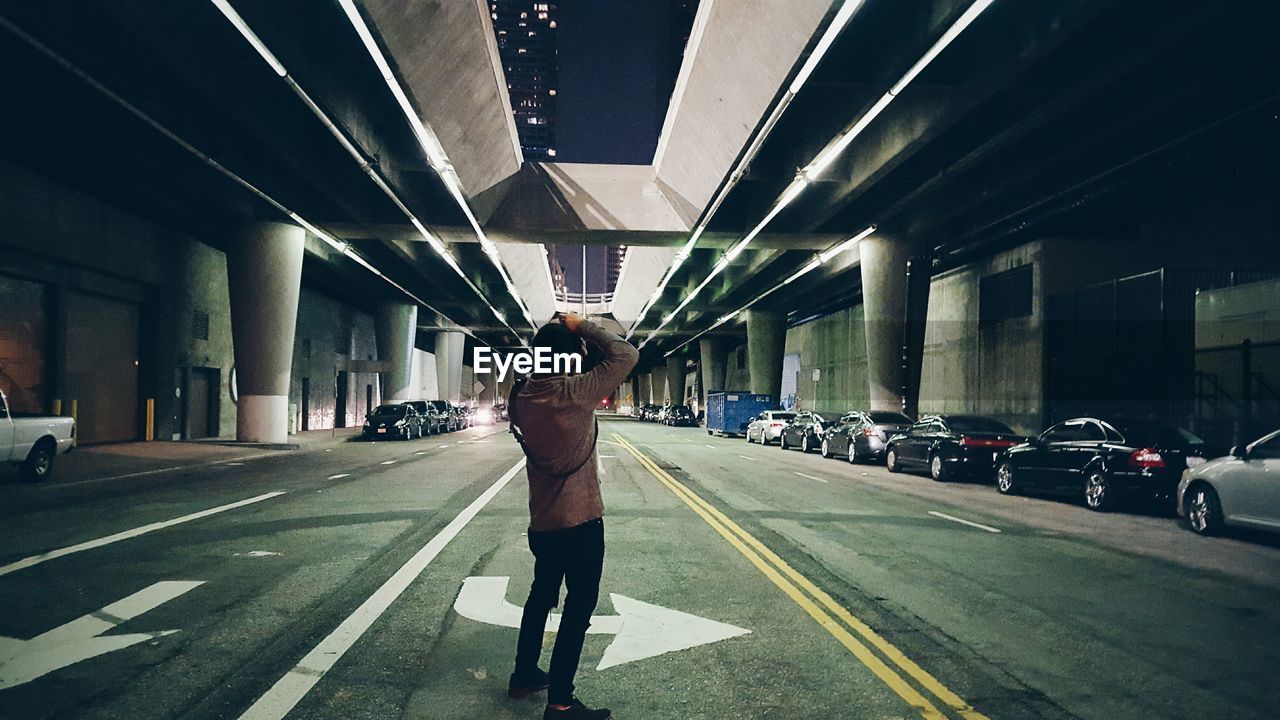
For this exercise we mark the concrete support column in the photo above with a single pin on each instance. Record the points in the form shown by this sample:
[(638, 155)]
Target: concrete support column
[(766, 344), (449, 347), (657, 387), (396, 331), (884, 306), (675, 379), (634, 385), (711, 366), (264, 274), (646, 389)]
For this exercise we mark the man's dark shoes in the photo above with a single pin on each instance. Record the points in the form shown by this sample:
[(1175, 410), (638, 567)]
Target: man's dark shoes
[(576, 711), (522, 686)]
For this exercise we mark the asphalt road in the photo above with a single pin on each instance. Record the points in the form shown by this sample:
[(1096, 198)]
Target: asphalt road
[(379, 580)]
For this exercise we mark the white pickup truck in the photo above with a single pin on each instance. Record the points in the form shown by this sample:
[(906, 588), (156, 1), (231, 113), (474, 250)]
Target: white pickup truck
[(33, 442)]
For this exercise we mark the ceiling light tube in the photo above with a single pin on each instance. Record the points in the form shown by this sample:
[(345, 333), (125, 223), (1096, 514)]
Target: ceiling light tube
[(951, 34), (239, 23), (837, 25), (846, 245)]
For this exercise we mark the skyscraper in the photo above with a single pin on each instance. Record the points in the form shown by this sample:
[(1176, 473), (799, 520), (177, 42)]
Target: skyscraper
[(526, 34)]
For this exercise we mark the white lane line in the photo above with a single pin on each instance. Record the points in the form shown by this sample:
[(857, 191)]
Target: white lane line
[(713, 447), (127, 534), (388, 462), (445, 445), (746, 457), (339, 476), (290, 689), (421, 452), (962, 521), (811, 477), (610, 457), (144, 473)]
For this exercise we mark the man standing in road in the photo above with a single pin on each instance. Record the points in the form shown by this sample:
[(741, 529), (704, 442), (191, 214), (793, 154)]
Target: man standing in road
[(553, 416)]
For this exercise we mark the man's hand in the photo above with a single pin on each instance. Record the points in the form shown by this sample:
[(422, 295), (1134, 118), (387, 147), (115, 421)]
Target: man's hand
[(571, 320)]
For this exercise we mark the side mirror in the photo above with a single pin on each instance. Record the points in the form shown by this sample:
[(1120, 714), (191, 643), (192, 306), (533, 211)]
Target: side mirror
[(1240, 451)]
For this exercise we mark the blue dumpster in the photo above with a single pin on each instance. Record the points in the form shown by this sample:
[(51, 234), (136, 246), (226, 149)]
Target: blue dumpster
[(730, 411)]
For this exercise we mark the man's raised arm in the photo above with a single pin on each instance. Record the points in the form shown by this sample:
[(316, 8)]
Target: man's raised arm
[(619, 359)]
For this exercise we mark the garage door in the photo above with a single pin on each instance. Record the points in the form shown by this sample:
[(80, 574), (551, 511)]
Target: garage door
[(102, 367), (24, 339)]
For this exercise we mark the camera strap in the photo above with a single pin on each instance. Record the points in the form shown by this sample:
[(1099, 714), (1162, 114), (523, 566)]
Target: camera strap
[(514, 429)]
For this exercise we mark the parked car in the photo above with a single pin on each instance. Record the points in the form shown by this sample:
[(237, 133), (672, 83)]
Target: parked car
[(500, 412), (428, 417), (862, 436), (767, 426), (804, 431), (461, 417), (32, 442), (1242, 488), (397, 420), (950, 446), (444, 411), (1107, 461), (680, 416), (649, 413), (482, 416)]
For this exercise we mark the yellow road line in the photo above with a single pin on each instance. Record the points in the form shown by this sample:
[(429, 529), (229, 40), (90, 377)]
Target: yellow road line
[(775, 568)]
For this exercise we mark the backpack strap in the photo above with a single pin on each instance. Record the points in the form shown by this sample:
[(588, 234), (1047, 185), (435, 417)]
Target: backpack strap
[(514, 428)]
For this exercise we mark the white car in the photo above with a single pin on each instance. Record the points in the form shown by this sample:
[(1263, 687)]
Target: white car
[(767, 426), (33, 442), (1240, 489)]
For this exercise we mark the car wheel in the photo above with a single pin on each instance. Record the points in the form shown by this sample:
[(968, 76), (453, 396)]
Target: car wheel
[(782, 441), (1097, 491), (1204, 511), (1005, 480), (891, 461), (805, 444), (39, 463), (938, 469), (852, 454), (826, 448)]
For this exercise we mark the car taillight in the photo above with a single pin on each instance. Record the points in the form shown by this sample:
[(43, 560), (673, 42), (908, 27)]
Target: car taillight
[(967, 441), (776, 424), (1146, 458), (869, 432)]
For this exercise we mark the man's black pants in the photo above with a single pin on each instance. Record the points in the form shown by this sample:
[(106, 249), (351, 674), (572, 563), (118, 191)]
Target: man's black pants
[(576, 556)]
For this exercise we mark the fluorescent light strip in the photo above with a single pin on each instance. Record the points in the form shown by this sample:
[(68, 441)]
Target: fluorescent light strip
[(245, 31), (835, 28), (434, 150), (809, 267), (249, 35), (833, 151)]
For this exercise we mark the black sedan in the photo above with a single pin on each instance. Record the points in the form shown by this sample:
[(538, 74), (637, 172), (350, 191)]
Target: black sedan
[(393, 421), (680, 416), (428, 416), (862, 435), (445, 417), (951, 446), (804, 432), (1105, 461)]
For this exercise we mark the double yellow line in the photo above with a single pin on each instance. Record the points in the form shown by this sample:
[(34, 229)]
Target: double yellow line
[(831, 615)]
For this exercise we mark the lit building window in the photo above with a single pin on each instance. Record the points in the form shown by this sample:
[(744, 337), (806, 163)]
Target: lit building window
[(552, 25), (551, 152), (552, 92)]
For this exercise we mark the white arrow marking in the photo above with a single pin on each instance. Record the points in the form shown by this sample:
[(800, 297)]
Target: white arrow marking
[(643, 630), (22, 661)]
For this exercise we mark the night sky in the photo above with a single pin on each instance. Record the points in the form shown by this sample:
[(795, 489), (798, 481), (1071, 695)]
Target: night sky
[(618, 61)]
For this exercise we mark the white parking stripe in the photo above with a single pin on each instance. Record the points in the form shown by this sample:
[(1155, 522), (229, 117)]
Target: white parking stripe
[(127, 534), (339, 476), (713, 447), (290, 689), (811, 477), (746, 457), (962, 521), (445, 445), (388, 462)]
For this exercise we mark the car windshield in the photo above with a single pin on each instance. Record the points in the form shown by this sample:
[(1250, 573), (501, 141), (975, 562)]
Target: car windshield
[(818, 418), (782, 416), (440, 405), (395, 410), (977, 424), (1155, 433), (682, 410), (882, 417)]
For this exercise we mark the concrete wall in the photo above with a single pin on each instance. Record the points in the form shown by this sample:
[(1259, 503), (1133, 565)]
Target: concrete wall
[(70, 243), (836, 346)]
